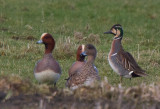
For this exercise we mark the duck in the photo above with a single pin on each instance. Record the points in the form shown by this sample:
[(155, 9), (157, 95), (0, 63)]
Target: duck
[(80, 61), (121, 61), (87, 74), (47, 70)]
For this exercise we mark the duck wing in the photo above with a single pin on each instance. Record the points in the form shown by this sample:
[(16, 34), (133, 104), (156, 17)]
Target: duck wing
[(81, 76), (129, 63)]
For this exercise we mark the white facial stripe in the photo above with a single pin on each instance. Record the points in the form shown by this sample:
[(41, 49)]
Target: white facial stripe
[(83, 48), (117, 38), (130, 73), (114, 54), (43, 35), (119, 26)]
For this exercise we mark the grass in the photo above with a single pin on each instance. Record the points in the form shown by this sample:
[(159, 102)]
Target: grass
[(29, 96), (23, 22)]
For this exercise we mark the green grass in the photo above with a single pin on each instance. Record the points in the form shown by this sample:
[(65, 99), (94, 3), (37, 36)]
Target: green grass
[(63, 18)]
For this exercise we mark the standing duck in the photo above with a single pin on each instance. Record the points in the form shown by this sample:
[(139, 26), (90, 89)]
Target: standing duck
[(47, 69), (87, 73), (121, 61)]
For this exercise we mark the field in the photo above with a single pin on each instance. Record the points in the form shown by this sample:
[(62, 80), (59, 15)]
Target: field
[(75, 22)]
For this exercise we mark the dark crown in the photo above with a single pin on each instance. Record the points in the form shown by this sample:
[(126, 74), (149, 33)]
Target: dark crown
[(116, 26)]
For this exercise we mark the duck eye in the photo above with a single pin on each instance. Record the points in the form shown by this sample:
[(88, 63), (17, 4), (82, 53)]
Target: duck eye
[(46, 37)]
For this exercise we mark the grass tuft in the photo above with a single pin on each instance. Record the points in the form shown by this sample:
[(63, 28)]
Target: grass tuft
[(93, 38), (78, 36), (65, 48)]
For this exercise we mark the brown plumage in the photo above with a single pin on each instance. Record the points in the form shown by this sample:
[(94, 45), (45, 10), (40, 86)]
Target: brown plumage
[(122, 62), (87, 74), (76, 66), (47, 69), (128, 62), (80, 61)]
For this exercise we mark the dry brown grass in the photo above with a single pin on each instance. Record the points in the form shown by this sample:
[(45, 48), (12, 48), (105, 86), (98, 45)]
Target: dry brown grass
[(99, 95), (16, 84), (91, 38), (23, 38), (78, 36), (65, 47)]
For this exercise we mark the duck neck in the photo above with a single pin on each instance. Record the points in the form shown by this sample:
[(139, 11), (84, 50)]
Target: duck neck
[(116, 46), (80, 58), (48, 48), (91, 59)]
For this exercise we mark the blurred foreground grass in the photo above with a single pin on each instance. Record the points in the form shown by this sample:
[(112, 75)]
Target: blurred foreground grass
[(21, 94)]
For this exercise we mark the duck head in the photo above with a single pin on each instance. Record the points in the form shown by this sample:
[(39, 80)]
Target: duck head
[(91, 52), (116, 30), (79, 51), (48, 41)]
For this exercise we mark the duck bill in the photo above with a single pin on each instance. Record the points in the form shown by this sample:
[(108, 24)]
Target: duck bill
[(108, 32), (40, 42), (83, 54)]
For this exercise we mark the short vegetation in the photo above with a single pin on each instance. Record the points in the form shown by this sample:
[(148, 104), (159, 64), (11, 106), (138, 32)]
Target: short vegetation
[(75, 22)]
